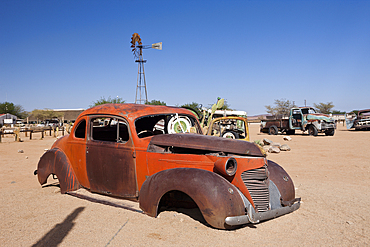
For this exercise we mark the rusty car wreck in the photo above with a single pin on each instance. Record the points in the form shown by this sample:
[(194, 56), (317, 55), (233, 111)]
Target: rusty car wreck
[(361, 121), (300, 118), (135, 152)]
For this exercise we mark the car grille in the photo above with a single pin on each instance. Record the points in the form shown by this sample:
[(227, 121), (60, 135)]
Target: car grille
[(327, 125), (363, 122), (257, 184)]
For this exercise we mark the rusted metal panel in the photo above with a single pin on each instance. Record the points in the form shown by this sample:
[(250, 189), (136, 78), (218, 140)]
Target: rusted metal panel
[(161, 161), (111, 168), (110, 157), (210, 143), (214, 195), (54, 161)]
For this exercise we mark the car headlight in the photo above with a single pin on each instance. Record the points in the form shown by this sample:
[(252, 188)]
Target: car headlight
[(226, 166)]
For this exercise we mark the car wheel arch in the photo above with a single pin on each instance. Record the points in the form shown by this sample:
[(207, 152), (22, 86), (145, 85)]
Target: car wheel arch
[(55, 161), (215, 197)]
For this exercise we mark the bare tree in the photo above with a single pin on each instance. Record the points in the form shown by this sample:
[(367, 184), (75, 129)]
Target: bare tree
[(281, 107), (46, 114), (324, 107)]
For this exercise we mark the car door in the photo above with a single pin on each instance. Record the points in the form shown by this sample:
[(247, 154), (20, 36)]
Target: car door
[(76, 151), (110, 157), (295, 119)]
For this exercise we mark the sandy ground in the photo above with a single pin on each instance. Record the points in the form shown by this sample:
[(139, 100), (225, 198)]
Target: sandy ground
[(331, 175)]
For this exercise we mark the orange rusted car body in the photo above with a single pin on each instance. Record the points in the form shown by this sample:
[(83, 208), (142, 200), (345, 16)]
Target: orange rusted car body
[(136, 152)]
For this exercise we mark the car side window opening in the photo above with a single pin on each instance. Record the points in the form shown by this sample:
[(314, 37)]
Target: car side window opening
[(165, 124), (81, 129), (109, 129), (311, 111)]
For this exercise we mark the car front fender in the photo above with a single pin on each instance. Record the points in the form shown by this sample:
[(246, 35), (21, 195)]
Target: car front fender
[(214, 195), (282, 180), (54, 161)]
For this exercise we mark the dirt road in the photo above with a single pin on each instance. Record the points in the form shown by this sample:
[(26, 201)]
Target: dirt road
[(331, 174)]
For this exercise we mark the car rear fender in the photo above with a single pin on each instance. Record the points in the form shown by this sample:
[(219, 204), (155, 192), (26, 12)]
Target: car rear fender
[(214, 195), (54, 161)]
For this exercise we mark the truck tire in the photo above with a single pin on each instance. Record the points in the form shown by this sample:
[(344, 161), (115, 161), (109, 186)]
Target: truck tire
[(230, 134), (312, 131), (330, 132), (273, 130)]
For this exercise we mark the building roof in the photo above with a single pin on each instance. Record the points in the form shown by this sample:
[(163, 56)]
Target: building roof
[(68, 114)]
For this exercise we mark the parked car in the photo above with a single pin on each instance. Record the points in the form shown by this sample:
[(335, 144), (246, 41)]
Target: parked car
[(300, 118), (158, 156), (361, 121)]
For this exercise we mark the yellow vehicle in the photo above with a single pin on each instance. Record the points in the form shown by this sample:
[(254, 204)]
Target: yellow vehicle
[(229, 127)]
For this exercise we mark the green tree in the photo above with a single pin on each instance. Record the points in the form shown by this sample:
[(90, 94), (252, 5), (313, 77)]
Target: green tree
[(281, 107), (155, 102), (193, 106), (338, 112), (355, 111), (17, 110), (324, 107), (103, 101)]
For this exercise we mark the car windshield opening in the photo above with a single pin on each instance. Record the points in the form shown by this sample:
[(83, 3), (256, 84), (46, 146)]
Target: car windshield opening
[(165, 124)]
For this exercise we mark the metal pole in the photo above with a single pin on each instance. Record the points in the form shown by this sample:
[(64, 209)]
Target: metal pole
[(141, 83)]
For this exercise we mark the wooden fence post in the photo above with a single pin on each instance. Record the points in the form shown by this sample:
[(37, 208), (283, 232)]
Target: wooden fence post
[(17, 133)]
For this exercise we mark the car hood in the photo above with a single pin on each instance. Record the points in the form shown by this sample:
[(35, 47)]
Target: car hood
[(207, 143), (318, 116)]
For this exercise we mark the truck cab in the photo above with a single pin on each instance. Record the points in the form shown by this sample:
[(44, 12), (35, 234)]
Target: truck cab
[(306, 118)]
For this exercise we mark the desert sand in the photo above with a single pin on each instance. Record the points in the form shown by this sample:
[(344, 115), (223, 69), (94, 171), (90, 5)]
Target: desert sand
[(331, 175)]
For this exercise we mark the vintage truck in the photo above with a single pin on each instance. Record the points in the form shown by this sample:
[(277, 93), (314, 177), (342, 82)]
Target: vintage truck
[(158, 156), (300, 118), (361, 121)]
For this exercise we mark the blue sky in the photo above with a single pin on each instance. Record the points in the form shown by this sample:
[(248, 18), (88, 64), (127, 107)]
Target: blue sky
[(67, 54)]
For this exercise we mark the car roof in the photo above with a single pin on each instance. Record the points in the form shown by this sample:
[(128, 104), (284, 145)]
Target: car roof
[(304, 107), (133, 111), (363, 111)]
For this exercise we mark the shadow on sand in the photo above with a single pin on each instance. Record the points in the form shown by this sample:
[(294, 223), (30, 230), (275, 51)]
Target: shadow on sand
[(56, 235)]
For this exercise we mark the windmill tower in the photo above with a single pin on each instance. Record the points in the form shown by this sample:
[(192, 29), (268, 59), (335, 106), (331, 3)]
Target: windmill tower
[(137, 48)]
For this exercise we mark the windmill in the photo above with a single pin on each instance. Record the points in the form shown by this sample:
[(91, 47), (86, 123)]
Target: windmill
[(137, 48)]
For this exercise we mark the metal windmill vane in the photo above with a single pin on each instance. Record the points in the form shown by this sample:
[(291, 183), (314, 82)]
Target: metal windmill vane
[(137, 48)]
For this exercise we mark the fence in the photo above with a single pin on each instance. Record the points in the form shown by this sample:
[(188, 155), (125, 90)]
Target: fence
[(31, 131)]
